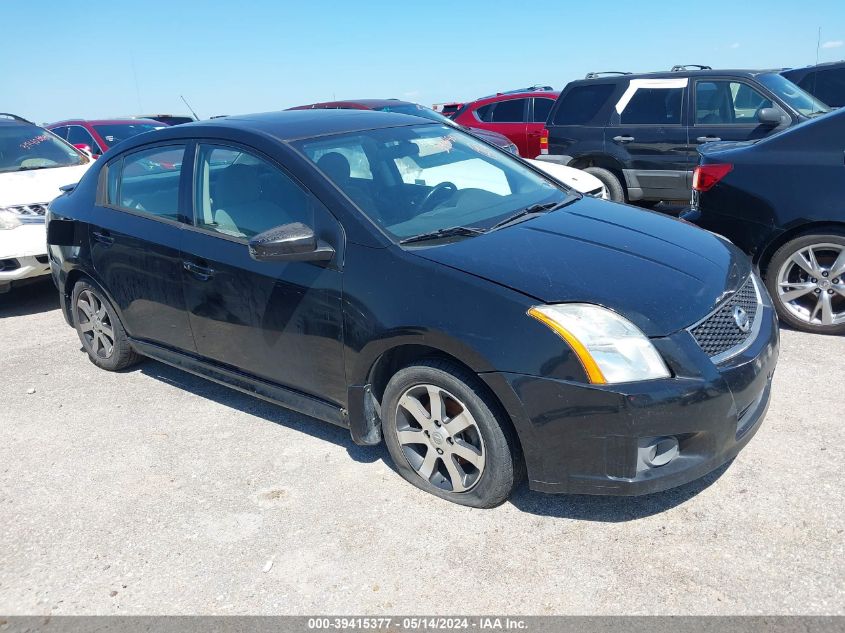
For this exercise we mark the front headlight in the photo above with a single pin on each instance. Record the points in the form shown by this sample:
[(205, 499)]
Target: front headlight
[(513, 149), (9, 219), (611, 348)]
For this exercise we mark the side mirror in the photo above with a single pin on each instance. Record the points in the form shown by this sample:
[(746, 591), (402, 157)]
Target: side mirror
[(293, 242), (769, 116)]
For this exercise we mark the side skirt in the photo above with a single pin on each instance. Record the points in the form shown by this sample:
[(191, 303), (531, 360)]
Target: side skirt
[(246, 383)]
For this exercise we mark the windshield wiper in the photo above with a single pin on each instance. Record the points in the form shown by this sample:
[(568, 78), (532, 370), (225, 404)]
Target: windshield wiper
[(447, 232), (534, 209), (34, 167)]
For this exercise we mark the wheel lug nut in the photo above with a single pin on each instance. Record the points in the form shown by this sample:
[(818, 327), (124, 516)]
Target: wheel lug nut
[(830, 292), (449, 440), (824, 274), (814, 280), (439, 451), (817, 290)]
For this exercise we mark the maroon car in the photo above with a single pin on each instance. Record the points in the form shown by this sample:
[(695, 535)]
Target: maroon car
[(99, 135), (415, 109)]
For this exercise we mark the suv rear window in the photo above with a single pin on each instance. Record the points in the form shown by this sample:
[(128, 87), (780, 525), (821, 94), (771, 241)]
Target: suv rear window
[(654, 106), (580, 105), (827, 85)]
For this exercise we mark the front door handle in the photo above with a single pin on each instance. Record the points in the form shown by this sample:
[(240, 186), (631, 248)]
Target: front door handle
[(203, 273), (103, 236), (623, 139), (708, 139)]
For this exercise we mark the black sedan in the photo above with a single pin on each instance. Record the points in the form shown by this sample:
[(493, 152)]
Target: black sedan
[(409, 282), (781, 200)]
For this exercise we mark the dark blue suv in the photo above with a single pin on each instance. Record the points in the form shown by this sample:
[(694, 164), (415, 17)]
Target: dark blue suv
[(639, 134)]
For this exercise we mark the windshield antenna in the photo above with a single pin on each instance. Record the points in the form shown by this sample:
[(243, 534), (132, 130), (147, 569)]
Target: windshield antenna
[(189, 107)]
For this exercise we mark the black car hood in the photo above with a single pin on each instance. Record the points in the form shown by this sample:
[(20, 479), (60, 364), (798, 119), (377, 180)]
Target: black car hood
[(661, 273)]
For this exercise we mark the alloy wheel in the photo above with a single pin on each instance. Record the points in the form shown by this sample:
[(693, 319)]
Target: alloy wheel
[(95, 324), (811, 284), (440, 438)]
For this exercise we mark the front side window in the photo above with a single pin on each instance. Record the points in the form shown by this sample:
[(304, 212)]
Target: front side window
[(147, 181), (728, 103), (60, 131), (25, 147), (78, 135), (512, 111), (429, 177), (654, 106), (240, 195)]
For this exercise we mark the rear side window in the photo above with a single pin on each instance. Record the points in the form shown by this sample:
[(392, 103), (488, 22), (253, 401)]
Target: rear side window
[(512, 111), (654, 106), (147, 181), (542, 107), (580, 105)]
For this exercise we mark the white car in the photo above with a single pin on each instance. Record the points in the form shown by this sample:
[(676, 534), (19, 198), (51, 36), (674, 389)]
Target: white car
[(34, 165), (579, 180)]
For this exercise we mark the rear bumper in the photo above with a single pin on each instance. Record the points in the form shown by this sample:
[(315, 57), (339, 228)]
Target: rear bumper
[(586, 439)]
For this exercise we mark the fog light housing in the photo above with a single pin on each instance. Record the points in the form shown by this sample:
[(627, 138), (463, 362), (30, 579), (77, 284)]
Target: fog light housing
[(655, 452)]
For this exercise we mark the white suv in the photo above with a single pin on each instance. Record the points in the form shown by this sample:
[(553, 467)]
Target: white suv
[(34, 165)]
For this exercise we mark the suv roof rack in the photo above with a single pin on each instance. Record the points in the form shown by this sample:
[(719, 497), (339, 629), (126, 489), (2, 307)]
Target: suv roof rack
[(683, 67), (596, 75), (534, 88), (15, 117)]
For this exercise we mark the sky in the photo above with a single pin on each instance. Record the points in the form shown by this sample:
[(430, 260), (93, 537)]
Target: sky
[(104, 58)]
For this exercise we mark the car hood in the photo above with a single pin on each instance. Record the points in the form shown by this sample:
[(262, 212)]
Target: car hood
[(576, 178), (661, 273), (37, 185)]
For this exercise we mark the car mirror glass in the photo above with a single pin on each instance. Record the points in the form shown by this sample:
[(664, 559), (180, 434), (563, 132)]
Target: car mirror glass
[(289, 242)]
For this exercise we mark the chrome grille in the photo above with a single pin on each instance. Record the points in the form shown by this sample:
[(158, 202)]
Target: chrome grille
[(718, 334), (30, 213)]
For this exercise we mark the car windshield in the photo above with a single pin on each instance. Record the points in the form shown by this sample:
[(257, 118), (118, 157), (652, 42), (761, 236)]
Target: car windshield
[(117, 132), (419, 179), (799, 100), (418, 110), (24, 147)]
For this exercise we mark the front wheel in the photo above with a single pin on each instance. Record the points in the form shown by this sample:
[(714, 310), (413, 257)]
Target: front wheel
[(446, 438), (806, 279)]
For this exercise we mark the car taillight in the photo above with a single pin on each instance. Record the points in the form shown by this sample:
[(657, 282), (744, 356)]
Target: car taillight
[(544, 141), (706, 176)]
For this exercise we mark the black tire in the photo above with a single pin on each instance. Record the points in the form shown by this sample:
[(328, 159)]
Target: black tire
[(120, 355), (615, 190), (784, 255), (502, 459)]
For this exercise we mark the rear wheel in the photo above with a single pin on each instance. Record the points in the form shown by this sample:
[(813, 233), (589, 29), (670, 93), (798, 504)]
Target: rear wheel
[(615, 190), (446, 438), (100, 331), (806, 279)]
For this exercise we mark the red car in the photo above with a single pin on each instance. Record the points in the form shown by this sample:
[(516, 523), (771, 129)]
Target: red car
[(99, 135), (520, 115)]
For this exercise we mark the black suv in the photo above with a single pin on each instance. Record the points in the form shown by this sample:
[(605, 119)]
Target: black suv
[(639, 133), (824, 81)]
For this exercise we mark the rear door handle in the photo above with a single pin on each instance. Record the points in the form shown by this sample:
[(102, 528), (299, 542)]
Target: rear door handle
[(203, 273), (707, 139), (103, 236), (623, 139)]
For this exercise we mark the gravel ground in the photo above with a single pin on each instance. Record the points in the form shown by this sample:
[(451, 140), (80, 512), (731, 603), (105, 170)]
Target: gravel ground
[(156, 492)]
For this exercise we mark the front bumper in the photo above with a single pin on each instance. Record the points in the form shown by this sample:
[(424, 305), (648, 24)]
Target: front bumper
[(23, 253), (585, 439)]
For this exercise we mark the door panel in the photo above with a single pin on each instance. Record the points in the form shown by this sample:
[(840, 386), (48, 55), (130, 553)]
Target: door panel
[(136, 251), (651, 130), (281, 321)]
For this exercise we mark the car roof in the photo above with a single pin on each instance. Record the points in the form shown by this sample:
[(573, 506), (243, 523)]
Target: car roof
[(360, 104), (104, 122), (289, 125), (507, 96)]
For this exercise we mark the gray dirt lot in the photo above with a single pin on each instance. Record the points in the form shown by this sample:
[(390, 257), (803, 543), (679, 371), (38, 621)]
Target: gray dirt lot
[(153, 491)]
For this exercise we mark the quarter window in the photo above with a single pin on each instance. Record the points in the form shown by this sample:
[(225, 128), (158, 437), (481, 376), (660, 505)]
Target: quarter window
[(512, 111), (654, 106), (241, 195), (542, 107), (147, 181), (581, 104), (727, 103)]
